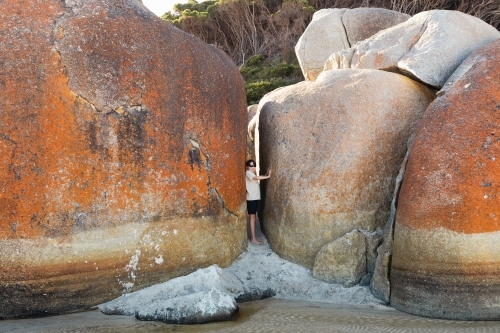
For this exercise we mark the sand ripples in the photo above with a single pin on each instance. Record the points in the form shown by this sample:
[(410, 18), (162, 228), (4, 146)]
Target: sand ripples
[(271, 315)]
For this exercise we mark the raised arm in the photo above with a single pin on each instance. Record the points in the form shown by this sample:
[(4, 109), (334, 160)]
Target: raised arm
[(268, 175)]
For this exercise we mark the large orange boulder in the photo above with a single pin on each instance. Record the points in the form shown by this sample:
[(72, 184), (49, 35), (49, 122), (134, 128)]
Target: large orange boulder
[(446, 255), (122, 141)]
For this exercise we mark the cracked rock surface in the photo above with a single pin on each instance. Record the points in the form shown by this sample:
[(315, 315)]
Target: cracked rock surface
[(121, 139)]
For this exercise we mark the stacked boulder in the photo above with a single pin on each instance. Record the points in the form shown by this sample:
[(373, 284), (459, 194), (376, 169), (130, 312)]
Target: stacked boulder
[(336, 29), (337, 144), (122, 141), (427, 48)]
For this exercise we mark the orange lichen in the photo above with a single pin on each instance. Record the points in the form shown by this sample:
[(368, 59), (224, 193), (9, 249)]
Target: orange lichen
[(112, 121), (73, 157), (453, 175)]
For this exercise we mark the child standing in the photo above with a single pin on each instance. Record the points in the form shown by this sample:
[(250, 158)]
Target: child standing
[(253, 196)]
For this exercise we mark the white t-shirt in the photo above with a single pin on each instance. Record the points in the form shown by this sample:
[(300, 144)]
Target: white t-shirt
[(253, 187)]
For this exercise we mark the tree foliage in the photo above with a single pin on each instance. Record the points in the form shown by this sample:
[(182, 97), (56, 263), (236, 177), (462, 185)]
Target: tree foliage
[(262, 76), (271, 28), (243, 28)]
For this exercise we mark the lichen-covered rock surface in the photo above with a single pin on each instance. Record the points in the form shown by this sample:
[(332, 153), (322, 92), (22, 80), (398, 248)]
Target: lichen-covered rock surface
[(335, 29), (428, 47), (446, 253), (122, 142), (335, 147)]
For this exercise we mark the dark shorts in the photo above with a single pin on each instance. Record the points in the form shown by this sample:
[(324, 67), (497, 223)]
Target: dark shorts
[(252, 206)]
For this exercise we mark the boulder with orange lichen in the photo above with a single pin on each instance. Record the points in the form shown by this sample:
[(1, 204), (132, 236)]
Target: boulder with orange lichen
[(122, 141), (446, 252)]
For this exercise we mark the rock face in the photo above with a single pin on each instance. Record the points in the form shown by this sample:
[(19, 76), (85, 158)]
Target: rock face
[(252, 123), (361, 23), (380, 285), (201, 281), (197, 308), (428, 47), (446, 250), (122, 143), (342, 261), (335, 147), (258, 273), (332, 30)]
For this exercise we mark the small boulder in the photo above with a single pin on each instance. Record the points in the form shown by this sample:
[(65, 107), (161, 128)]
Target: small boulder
[(342, 261), (428, 47), (200, 281), (332, 30), (198, 308)]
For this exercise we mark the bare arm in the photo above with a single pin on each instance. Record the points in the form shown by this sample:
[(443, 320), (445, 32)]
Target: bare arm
[(268, 175)]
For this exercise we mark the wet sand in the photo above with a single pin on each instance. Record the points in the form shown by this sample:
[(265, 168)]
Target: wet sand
[(269, 315)]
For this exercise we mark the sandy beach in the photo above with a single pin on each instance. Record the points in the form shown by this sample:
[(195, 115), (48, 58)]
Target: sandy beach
[(269, 315), (302, 304)]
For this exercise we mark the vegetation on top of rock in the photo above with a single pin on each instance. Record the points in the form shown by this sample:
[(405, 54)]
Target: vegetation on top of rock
[(262, 76), (243, 28)]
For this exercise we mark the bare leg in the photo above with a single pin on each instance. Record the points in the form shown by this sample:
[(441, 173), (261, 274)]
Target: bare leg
[(253, 239)]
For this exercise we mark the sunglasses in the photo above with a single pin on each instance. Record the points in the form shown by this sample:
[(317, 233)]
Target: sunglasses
[(251, 166)]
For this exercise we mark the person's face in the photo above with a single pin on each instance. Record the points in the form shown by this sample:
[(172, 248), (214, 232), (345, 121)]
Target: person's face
[(251, 167)]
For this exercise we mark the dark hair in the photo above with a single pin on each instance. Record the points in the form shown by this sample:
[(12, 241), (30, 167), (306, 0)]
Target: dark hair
[(250, 162)]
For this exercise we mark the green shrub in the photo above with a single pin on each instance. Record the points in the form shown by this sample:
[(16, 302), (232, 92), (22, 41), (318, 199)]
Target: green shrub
[(255, 60), (263, 76), (283, 69), (256, 90)]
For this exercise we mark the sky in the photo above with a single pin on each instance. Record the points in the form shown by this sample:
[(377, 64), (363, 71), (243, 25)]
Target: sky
[(160, 7)]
